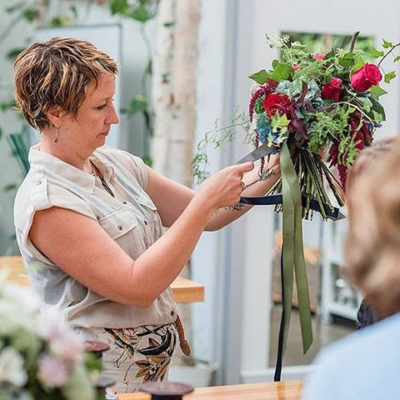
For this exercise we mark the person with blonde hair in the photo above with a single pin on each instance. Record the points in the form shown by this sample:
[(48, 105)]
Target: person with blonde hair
[(366, 364), (89, 218)]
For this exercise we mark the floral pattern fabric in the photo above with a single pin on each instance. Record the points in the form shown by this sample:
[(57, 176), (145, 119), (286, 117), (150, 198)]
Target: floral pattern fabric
[(136, 355)]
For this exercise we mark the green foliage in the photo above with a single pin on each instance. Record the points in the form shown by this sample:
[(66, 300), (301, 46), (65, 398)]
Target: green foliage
[(389, 76), (260, 76), (215, 139), (138, 104)]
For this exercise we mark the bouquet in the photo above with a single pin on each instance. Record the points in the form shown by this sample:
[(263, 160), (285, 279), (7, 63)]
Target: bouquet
[(40, 358), (320, 111)]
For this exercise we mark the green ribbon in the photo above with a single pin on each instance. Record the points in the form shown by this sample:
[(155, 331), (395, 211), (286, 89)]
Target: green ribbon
[(292, 251)]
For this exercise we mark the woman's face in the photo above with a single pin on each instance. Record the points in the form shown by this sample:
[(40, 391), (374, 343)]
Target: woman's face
[(89, 129)]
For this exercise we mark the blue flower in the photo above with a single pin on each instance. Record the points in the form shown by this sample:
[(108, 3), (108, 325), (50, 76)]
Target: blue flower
[(264, 130)]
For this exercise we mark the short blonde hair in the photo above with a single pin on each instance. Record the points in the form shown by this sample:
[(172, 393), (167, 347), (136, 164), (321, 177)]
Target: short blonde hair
[(57, 73), (372, 249)]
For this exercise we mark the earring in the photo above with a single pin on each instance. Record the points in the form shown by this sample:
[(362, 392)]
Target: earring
[(55, 140)]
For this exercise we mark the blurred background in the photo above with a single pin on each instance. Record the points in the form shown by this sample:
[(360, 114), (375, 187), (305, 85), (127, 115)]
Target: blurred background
[(184, 68)]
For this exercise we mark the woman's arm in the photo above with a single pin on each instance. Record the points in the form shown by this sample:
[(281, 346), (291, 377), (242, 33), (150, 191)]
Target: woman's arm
[(171, 198), (80, 247)]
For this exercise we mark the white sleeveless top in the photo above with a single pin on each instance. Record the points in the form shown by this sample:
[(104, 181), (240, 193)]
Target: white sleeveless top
[(130, 219)]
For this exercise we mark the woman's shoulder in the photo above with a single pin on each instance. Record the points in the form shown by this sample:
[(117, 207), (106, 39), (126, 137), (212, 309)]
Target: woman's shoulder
[(352, 359)]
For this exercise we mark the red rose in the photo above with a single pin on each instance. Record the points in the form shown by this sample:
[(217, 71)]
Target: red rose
[(277, 102), (366, 77), (332, 89)]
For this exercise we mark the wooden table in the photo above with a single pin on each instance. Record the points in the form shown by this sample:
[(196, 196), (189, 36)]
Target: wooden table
[(286, 390), (184, 290)]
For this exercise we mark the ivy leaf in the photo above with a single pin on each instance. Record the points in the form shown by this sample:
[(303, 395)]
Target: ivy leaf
[(281, 71), (260, 76), (377, 107), (389, 76), (366, 103), (376, 53), (347, 60), (397, 58), (169, 24), (387, 44), (138, 104), (118, 6), (377, 91), (377, 116)]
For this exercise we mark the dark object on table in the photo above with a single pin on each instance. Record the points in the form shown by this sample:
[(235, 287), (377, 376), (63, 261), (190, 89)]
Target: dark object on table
[(166, 390)]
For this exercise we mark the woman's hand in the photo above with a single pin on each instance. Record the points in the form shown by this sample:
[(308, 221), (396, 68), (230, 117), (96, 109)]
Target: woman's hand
[(225, 187)]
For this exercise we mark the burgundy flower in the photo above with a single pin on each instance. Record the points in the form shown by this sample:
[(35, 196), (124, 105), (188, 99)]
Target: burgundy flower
[(277, 102), (365, 77), (332, 90)]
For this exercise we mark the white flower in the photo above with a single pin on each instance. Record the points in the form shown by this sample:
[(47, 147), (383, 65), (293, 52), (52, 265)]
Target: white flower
[(12, 367), (52, 372)]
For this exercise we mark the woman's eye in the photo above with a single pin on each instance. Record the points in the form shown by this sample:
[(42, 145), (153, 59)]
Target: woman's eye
[(102, 107)]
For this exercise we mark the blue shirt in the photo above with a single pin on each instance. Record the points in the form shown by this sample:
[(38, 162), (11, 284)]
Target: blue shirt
[(365, 365)]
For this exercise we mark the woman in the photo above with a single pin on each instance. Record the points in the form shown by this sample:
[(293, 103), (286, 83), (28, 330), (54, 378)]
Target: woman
[(366, 364), (366, 315), (89, 218)]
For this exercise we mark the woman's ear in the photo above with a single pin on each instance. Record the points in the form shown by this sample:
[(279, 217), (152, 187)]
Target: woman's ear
[(54, 115)]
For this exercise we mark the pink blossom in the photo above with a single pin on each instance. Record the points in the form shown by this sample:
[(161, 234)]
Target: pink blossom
[(296, 67), (318, 56), (67, 346), (52, 372)]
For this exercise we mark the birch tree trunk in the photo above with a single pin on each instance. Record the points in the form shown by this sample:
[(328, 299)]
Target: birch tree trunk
[(174, 99)]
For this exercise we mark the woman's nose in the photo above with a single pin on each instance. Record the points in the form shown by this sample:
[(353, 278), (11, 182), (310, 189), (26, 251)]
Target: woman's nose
[(113, 116)]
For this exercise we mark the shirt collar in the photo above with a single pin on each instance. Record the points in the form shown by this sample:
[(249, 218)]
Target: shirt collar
[(56, 167)]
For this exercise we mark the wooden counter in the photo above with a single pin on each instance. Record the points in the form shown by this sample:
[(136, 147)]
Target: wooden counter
[(184, 290), (289, 390)]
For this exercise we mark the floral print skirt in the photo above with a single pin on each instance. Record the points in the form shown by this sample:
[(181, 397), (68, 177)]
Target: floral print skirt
[(136, 355)]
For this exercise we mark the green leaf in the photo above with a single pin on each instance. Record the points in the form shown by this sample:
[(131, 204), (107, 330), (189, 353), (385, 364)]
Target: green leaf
[(138, 104), (377, 116), (141, 14), (9, 187), (387, 44), (13, 53), (376, 53), (169, 24), (260, 76), (74, 11), (7, 105), (1, 132), (30, 14), (376, 106), (366, 103), (389, 76), (397, 58), (347, 60), (14, 7), (149, 68), (118, 6), (358, 64), (281, 72), (377, 91)]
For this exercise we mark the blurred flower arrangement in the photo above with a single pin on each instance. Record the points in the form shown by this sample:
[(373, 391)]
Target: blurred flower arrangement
[(40, 357), (324, 106)]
